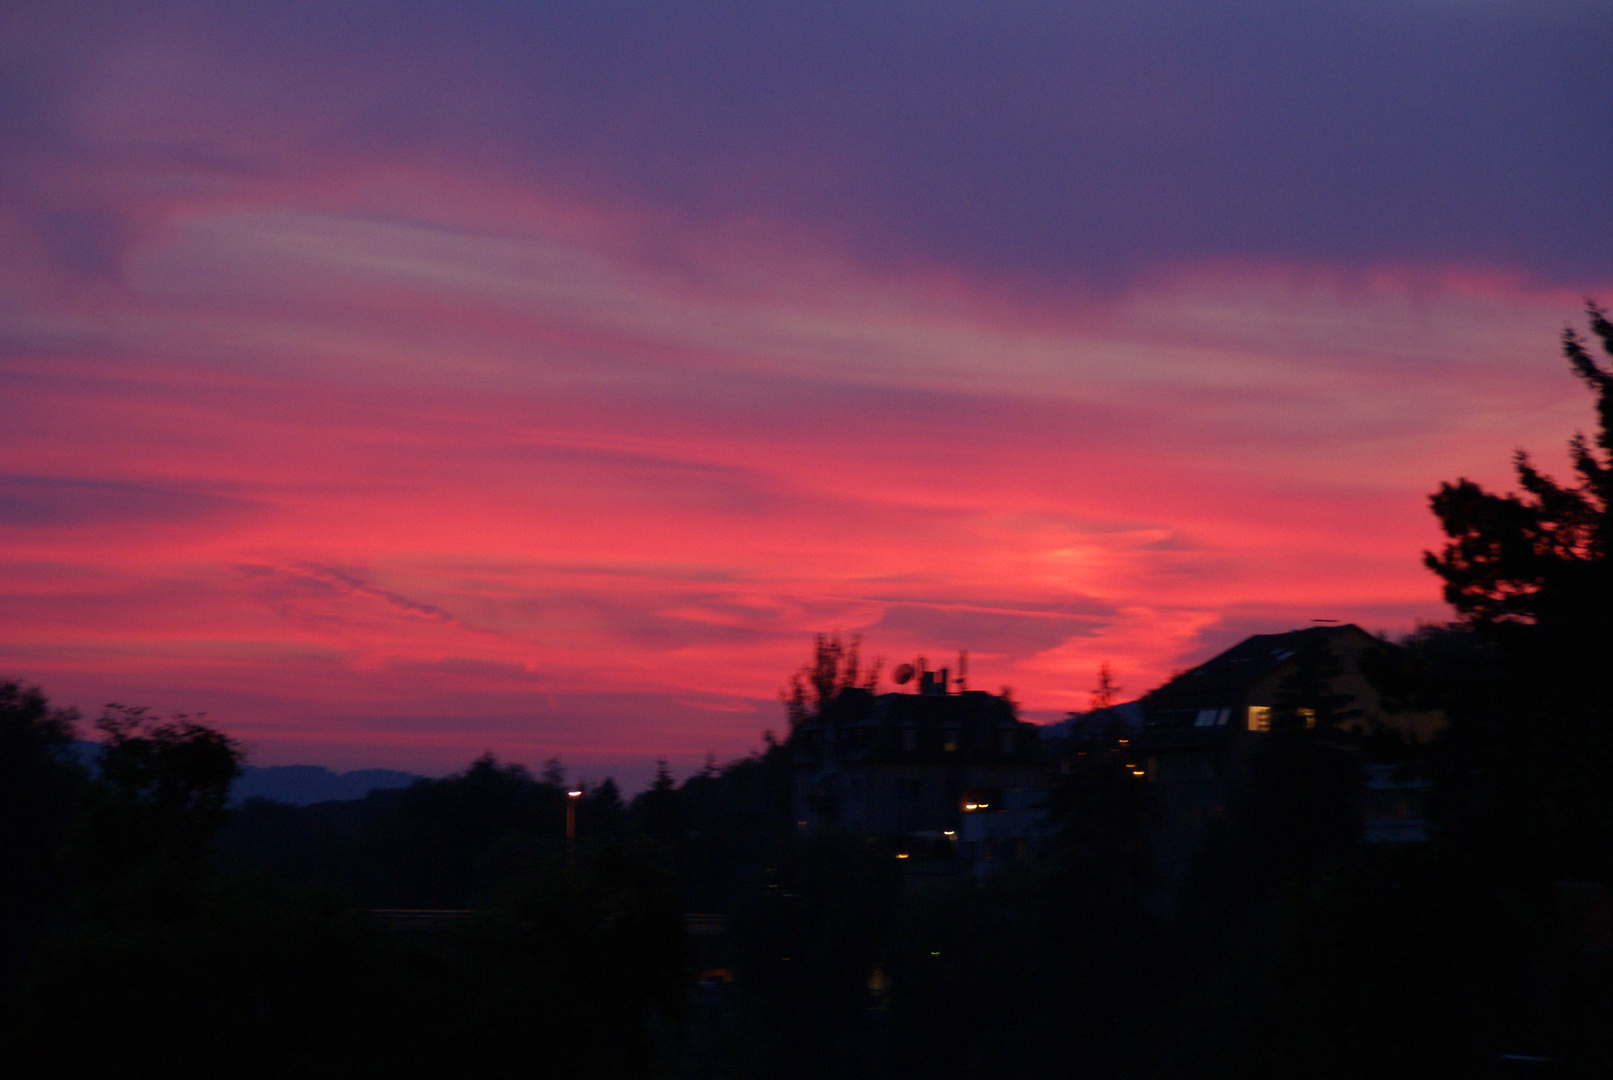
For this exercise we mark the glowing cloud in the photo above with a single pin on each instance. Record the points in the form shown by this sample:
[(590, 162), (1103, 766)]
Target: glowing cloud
[(388, 414)]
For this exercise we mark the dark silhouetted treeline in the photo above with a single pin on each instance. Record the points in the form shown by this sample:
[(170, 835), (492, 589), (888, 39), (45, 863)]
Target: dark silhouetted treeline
[(147, 923), (149, 931)]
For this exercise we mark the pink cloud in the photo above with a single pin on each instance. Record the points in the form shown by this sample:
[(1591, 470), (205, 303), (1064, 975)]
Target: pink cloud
[(426, 481)]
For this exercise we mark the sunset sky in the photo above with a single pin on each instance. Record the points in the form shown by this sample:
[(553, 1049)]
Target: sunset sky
[(394, 381)]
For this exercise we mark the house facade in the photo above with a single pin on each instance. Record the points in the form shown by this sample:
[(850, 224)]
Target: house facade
[(1200, 727), (911, 765)]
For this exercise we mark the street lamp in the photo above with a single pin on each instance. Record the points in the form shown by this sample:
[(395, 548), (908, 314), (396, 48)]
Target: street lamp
[(571, 832), (571, 814)]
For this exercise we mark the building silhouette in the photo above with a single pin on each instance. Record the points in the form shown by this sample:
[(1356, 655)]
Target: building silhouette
[(1199, 729), (907, 767)]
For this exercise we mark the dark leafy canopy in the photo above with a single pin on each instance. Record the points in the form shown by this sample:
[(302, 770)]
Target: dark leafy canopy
[(36, 743), (177, 766), (163, 787), (39, 787), (835, 666)]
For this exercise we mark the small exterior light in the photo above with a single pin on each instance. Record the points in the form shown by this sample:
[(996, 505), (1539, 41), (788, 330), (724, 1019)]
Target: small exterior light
[(574, 794)]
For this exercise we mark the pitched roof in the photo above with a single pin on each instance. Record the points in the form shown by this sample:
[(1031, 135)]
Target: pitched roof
[(1223, 679)]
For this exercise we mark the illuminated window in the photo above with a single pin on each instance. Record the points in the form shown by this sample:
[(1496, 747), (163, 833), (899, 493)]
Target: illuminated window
[(1259, 718), (949, 740), (1307, 715)]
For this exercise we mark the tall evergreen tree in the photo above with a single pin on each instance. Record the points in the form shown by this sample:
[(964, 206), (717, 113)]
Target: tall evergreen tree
[(1539, 559), (1531, 571)]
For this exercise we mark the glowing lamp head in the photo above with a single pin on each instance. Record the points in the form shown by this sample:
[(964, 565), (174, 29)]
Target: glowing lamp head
[(574, 794)]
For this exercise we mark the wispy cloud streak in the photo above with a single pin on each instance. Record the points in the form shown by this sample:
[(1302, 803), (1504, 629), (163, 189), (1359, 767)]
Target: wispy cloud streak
[(545, 377)]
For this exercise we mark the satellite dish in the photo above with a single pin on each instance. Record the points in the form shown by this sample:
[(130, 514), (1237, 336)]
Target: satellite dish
[(902, 674)]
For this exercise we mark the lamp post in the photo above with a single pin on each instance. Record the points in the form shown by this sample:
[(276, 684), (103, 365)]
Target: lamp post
[(571, 830)]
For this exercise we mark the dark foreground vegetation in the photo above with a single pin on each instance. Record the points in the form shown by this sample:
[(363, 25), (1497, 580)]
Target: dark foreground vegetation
[(694, 932)]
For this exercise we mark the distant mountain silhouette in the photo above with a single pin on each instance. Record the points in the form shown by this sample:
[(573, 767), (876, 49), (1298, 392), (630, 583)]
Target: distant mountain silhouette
[(303, 785), (1129, 713), (298, 785)]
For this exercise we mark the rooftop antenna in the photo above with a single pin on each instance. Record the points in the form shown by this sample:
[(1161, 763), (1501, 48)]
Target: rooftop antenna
[(1324, 621), (963, 670)]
